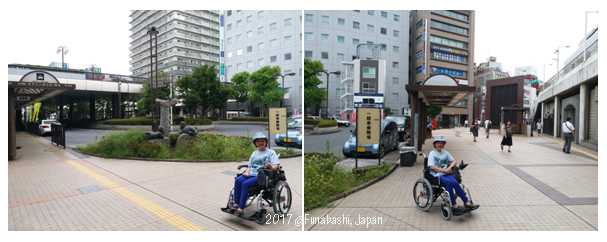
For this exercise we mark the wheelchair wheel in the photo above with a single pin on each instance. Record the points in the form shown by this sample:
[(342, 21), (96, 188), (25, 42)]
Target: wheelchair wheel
[(282, 198), (446, 208), (230, 199), (422, 194), (261, 217)]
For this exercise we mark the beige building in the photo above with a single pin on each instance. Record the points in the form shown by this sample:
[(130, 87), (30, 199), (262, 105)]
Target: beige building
[(441, 67), (443, 43)]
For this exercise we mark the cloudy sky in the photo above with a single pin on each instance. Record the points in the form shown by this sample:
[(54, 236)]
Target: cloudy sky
[(98, 37), (529, 37), (524, 37)]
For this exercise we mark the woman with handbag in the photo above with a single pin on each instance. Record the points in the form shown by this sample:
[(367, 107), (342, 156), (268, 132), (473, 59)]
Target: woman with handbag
[(507, 138)]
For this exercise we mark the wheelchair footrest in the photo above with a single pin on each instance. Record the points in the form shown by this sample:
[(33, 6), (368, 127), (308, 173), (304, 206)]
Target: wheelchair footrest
[(228, 210)]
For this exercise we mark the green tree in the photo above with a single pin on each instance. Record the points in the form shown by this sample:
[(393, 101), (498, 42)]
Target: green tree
[(433, 110), (146, 101), (201, 90), (241, 86), (265, 90), (313, 95)]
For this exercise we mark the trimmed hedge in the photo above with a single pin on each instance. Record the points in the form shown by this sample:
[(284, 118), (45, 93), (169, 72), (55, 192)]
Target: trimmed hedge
[(250, 119), (129, 121), (198, 121), (313, 122), (325, 123), (323, 180)]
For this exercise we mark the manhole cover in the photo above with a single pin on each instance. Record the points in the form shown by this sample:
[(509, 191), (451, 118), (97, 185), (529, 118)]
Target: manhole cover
[(89, 189)]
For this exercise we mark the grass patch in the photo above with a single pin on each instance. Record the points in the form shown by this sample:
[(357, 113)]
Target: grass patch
[(287, 153), (215, 147), (323, 179), (204, 147), (127, 144)]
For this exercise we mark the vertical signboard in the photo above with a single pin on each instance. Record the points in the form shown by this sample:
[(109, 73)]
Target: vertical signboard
[(277, 122), (368, 126), (368, 130)]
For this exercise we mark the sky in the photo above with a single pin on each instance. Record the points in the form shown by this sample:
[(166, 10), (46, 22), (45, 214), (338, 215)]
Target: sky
[(98, 37), (527, 37)]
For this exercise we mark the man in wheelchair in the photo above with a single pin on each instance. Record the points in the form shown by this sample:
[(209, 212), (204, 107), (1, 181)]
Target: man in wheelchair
[(445, 169), (262, 158)]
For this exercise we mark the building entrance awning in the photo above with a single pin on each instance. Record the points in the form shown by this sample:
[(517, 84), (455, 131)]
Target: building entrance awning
[(36, 86), (441, 90)]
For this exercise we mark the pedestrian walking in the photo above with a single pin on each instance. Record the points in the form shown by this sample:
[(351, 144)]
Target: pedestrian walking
[(507, 138), (474, 130), (538, 126), (466, 123), (568, 131), (487, 126)]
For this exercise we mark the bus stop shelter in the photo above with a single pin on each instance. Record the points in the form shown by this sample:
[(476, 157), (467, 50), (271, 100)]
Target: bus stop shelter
[(440, 90)]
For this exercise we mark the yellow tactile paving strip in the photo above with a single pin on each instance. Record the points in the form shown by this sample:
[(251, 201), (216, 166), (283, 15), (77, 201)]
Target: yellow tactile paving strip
[(160, 212)]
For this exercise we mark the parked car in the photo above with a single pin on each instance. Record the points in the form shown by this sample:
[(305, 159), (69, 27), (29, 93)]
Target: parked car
[(341, 122), (45, 126), (388, 142), (295, 122), (293, 140), (402, 126)]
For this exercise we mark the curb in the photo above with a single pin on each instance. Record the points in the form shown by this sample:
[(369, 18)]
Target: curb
[(164, 160), (321, 131), (240, 122), (359, 187)]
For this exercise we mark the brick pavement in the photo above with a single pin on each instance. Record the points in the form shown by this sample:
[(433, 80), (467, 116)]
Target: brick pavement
[(55, 189), (533, 188)]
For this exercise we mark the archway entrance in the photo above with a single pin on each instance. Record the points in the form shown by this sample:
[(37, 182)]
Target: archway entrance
[(33, 87)]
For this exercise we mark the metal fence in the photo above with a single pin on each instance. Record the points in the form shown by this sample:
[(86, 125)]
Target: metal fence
[(58, 135)]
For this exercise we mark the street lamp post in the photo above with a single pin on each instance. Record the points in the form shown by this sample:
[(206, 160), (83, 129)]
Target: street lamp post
[(327, 74), (558, 55), (153, 34), (282, 76), (63, 50)]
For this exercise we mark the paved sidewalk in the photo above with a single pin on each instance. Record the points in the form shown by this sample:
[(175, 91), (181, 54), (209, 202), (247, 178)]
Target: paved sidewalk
[(533, 188), (56, 189)]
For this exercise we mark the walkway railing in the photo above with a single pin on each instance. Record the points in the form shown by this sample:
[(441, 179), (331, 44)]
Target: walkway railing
[(58, 135)]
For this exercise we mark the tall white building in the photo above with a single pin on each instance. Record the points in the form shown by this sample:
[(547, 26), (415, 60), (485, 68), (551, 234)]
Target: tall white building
[(254, 39), (332, 37), (186, 39)]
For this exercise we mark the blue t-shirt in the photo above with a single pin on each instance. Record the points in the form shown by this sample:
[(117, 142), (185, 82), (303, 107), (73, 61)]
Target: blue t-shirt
[(440, 159), (259, 159)]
